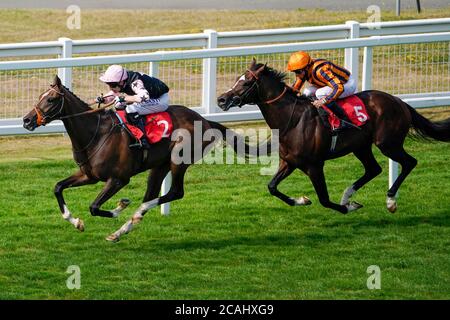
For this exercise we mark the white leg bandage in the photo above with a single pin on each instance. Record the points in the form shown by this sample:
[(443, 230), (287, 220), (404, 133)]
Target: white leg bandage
[(347, 195)]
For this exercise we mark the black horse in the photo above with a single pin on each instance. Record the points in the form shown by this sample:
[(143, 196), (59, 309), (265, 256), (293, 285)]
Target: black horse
[(305, 141)]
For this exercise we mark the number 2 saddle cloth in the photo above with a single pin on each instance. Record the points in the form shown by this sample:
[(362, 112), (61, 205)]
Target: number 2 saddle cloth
[(157, 126)]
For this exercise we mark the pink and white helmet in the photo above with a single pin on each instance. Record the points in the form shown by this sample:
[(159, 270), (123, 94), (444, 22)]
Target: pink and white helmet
[(114, 73)]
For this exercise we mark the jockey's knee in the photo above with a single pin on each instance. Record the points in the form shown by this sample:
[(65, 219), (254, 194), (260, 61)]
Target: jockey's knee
[(309, 91)]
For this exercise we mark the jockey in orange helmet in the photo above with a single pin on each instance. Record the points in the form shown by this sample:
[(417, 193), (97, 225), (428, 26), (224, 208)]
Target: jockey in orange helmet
[(328, 81)]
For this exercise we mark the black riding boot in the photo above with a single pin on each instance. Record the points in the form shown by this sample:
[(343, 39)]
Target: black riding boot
[(136, 120), (337, 110)]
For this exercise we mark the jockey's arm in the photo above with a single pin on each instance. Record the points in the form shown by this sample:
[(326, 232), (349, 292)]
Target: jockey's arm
[(298, 84), (141, 94), (334, 83), (108, 97)]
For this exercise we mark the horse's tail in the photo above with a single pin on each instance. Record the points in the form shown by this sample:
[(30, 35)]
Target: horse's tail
[(439, 130), (239, 144)]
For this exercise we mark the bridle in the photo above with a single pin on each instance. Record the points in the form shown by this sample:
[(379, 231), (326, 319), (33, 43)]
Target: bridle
[(246, 92), (42, 119), (249, 90), (41, 116)]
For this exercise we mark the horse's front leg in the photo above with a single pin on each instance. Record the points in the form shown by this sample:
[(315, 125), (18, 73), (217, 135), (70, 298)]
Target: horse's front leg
[(76, 180), (315, 173), (112, 186), (284, 170)]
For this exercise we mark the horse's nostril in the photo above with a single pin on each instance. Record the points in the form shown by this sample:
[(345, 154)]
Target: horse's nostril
[(236, 100), (221, 101), (26, 121)]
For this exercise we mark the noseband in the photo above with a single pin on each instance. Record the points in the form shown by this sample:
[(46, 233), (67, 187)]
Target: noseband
[(41, 116)]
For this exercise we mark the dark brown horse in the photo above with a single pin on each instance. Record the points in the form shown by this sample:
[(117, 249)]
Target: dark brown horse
[(305, 142), (101, 150)]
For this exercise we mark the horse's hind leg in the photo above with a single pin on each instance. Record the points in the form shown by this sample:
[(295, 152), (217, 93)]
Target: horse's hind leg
[(151, 198), (371, 167), (407, 162), (112, 186), (76, 180)]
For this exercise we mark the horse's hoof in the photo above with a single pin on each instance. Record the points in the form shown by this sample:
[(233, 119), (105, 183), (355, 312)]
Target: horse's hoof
[(123, 203), (302, 201), (80, 225), (112, 238), (391, 205), (353, 206)]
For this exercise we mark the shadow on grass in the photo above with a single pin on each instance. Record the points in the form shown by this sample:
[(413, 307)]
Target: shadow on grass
[(273, 240), (438, 219)]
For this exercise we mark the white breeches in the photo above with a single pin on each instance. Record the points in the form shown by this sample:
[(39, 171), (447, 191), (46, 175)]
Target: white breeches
[(349, 89), (149, 106)]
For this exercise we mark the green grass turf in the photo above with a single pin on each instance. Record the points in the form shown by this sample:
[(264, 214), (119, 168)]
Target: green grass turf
[(228, 238)]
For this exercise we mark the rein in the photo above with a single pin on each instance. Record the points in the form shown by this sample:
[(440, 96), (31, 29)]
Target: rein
[(42, 117), (257, 79), (273, 100), (90, 111), (113, 126), (42, 120)]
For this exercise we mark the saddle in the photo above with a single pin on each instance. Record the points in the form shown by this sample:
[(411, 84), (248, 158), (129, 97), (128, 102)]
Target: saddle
[(152, 127), (349, 112)]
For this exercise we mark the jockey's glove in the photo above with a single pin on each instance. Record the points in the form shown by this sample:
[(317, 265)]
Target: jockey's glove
[(119, 102), (100, 100)]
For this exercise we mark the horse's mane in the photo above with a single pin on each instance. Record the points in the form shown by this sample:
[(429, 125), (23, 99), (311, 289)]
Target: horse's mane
[(74, 95), (275, 74), (280, 77)]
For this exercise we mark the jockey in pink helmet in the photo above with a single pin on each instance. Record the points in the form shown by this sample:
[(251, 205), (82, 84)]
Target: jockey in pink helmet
[(137, 93)]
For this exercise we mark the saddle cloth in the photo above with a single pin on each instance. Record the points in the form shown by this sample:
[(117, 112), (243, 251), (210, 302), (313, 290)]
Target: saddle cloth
[(353, 107), (157, 126)]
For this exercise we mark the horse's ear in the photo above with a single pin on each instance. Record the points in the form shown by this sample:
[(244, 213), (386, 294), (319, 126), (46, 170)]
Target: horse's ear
[(253, 63), (261, 69), (57, 81)]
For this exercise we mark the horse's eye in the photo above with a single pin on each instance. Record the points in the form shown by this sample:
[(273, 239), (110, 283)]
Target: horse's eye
[(51, 99)]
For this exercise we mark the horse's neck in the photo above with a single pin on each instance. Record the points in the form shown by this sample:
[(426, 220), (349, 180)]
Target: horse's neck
[(84, 129), (277, 114)]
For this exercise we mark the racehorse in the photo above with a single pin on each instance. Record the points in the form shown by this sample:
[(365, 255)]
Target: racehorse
[(101, 150), (305, 141)]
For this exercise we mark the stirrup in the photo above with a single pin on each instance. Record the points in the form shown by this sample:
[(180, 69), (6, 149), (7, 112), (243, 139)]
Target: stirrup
[(348, 125), (140, 144)]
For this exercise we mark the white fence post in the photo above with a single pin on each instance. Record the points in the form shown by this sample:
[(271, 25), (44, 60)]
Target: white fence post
[(397, 7), (367, 72), (393, 173), (65, 74), (352, 54), (210, 75), (153, 71), (367, 85)]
